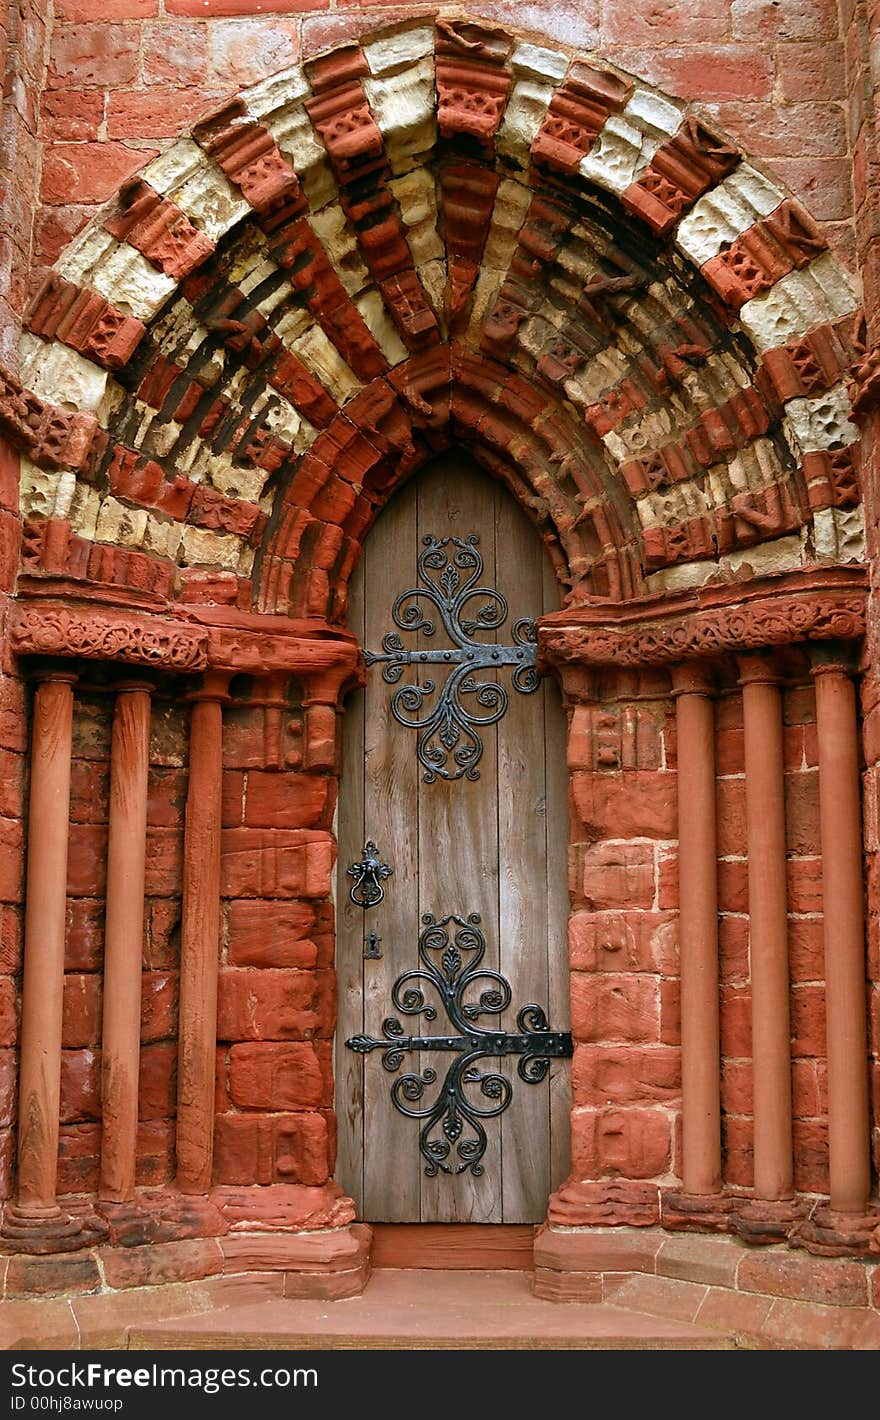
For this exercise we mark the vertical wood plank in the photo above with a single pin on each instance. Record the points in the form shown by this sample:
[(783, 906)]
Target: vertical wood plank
[(522, 852), (556, 857), (391, 1158), (458, 832), (349, 925)]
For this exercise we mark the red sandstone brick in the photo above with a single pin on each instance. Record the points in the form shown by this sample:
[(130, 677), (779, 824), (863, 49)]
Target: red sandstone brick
[(164, 865), (276, 862), (277, 1148), (631, 1143), (275, 1005), (733, 886), (786, 19), (12, 772), (207, 9), (806, 949), (802, 812), (742, 1313), (89, 791), (272, 934), (12, 715), (242, 52), (157, 1082), (7, 1161), (809, 1088), (808, 1020), (733, 950), (84, 942), (670, 1012), (80, 1085), (11, 860), (85, 54), (10, 938), (623, 941), (628, 805), (731, 811), (832, 1281), (608, 1008), (810, 1155), (720, 73), (286, 800), (736, 1022), (47, 1276), (175, 53), (801, 1325), (737, 1144), (824, 185), (614, 875), (666, 22), (797, 131), (82, 1010), (8, 1090), (154, 113), (159, 992), (603, 1075), (89, 172), (166, 797), (158, 1263), (72, 115), (287, 1077), (85, 10), (79, 1155), (736, 1086)]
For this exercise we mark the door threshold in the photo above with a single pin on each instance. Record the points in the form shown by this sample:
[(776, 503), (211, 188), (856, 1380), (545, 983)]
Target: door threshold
[(482, 1247)]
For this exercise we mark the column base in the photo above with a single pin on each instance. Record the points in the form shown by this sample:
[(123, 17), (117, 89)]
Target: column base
[(608, 1203), (40, 1231), (697, 1212), (161, 1215), (571, 1263), (761, 1221), (827, 1233), (326, 1266)]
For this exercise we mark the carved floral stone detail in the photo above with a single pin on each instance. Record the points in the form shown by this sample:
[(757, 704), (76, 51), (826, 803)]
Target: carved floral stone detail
[(57, 631)]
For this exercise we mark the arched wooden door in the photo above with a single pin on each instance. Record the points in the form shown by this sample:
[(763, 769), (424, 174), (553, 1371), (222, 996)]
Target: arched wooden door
[(493, 845)]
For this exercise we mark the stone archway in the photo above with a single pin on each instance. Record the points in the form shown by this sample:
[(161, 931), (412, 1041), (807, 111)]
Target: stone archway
[(441, 233)]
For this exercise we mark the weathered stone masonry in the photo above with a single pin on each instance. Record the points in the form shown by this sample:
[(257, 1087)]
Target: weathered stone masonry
[(443, 234)]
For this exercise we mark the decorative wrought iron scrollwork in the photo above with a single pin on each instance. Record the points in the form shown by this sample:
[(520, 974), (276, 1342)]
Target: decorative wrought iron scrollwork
[(369, 875), (451, 965), (450, 724)]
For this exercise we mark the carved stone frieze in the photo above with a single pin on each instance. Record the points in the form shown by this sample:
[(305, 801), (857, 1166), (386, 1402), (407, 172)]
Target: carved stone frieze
[(659, 631), (60, 631)]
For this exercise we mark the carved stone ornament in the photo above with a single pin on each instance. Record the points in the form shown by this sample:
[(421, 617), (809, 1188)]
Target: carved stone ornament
[(57, 631), (679, 627)]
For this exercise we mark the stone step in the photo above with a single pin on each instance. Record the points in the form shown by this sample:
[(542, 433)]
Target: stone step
[(406, 1309)]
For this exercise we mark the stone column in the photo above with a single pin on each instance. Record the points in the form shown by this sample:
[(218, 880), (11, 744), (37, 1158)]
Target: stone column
[(123, 942), (700, 1202), (768, 1217), (35, 1222), (845, 1225), (200, 940)]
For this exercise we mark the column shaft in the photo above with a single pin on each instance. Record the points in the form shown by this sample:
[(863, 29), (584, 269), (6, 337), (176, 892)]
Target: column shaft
[(44, 930), (698, 931), (768, 931), (123, 949), (844, 927), (200, 945)]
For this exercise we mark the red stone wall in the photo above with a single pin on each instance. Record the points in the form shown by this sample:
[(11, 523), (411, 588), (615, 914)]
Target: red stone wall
[(626, 1074)]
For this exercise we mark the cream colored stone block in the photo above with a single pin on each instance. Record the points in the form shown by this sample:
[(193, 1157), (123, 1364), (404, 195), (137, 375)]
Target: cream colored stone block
[(526, 107), (266, 99), (822, 422), (782, 554), (337, 237), (38, 490), (598, 375), (416, 195), (236, 480), (403, 106), (249, 276), (320, 356), (83, 512), (839, 534), (128, 280), (210, 201), (84, 253), (619, 155), (381, 326), (162, 537), (433, 276), (59, 374), (176, 166), (683, 576), (294, 324), (293, 132), (538, 63), (655, 116), (725, 212), (819, 292), (120, 525), (393, 52), (199, 547)]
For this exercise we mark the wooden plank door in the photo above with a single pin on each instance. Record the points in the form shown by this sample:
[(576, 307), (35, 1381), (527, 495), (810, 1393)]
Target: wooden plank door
[(494, 845)]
